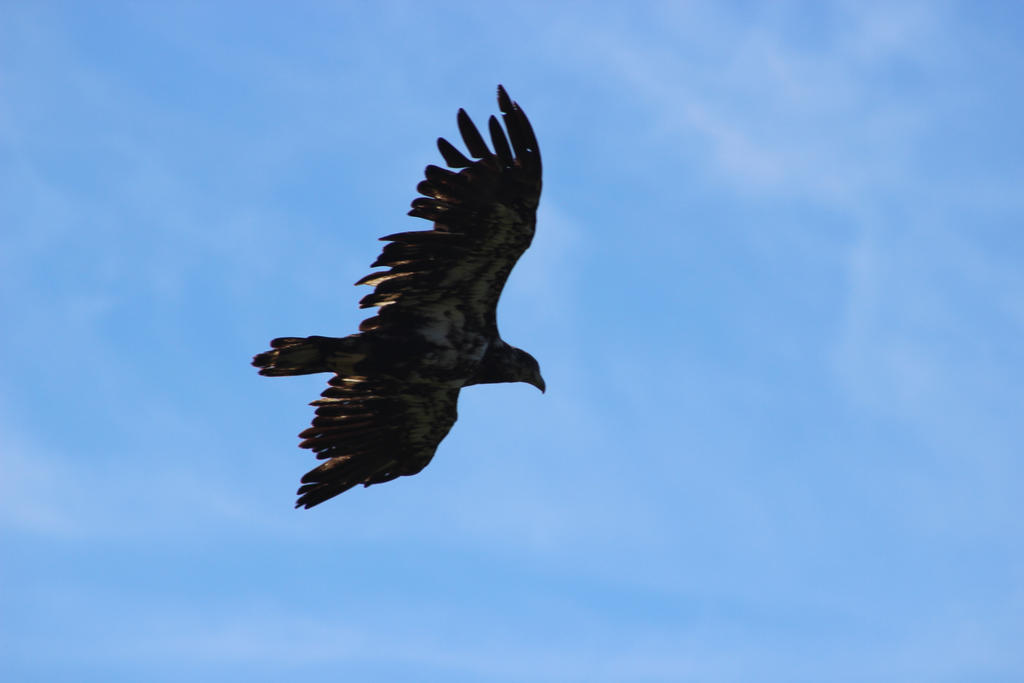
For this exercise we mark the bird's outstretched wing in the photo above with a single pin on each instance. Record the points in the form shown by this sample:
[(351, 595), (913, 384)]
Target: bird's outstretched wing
[(484, 217), (371, 433)]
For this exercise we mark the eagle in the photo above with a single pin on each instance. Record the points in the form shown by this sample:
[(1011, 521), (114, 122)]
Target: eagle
[(396, 382)]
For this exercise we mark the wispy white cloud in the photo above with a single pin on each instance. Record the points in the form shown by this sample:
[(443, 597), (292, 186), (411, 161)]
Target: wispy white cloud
[(27, 493), (909, 340), (775, 116), (824, 120), (573, 642)]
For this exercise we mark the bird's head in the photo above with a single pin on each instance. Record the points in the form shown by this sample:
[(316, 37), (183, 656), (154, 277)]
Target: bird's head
[(528, 370)]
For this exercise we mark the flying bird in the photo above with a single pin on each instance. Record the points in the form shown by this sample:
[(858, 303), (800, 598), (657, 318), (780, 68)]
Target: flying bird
[(396, 382)]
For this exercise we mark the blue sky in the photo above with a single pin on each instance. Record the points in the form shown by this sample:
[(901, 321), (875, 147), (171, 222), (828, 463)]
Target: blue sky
[(776, 292)]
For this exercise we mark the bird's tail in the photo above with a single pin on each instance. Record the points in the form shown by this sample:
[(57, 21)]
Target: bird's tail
[(307, 355)]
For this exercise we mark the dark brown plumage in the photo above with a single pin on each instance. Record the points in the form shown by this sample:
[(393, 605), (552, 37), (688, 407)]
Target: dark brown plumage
[(396, 385)]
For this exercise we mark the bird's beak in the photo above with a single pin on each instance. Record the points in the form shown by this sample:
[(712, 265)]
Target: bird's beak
[(538, 382)]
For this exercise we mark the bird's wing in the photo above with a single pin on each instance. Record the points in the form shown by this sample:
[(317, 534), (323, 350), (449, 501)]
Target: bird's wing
[(370, 432), (484, 217)]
